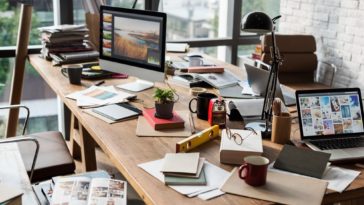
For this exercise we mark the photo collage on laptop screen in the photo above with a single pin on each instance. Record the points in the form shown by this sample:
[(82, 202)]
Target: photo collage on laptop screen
[(331, 114)]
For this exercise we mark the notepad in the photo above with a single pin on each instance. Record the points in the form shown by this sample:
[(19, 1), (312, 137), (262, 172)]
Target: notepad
[(186, 163), (117, 112)]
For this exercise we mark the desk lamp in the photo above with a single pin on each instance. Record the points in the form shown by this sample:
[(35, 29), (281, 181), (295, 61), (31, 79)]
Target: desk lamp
[(261, 23)]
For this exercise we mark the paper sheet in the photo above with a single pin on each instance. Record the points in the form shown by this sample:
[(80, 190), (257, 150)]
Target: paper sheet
[(215, 176), (249, 107), (337, 177), (97, 96)]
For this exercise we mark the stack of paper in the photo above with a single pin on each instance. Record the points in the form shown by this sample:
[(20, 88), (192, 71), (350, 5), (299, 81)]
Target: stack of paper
[(215, 176), (97, 96), (183, 169)]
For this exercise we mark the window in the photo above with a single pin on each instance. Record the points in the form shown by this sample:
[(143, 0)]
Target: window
[(35, 90)]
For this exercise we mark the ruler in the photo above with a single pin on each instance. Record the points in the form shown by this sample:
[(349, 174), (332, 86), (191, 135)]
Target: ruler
[(198, 139)]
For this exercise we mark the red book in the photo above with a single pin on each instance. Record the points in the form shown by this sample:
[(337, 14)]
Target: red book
[(161, 124)]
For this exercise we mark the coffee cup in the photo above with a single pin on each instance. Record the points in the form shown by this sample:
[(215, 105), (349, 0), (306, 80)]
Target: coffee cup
[(73, 73), (195, 61), (254, 170), (202, 105)]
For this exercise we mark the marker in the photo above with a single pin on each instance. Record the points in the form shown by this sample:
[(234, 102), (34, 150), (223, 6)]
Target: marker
[(99, 83)]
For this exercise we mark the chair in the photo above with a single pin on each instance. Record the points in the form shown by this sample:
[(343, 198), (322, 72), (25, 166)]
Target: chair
[(53, 159), (300, 65)]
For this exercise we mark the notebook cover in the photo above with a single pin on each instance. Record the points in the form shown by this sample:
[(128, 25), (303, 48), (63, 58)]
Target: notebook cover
[(281, 188), (302, 161), (197, 175), (181, 163), (171, 180), (144, 129), (160, 124), (117, 112)]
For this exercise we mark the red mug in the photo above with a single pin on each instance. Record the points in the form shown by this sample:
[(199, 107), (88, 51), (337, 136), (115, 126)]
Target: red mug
[(254, 170)]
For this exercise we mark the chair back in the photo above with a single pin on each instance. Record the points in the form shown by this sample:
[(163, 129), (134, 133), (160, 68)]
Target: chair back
[(298, 54)]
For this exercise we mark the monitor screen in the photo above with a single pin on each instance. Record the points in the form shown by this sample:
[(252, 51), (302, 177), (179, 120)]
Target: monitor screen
[(330, 113), (132, 38)]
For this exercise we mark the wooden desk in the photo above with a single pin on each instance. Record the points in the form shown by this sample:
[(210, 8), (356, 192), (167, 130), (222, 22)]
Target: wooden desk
[(126, 150)]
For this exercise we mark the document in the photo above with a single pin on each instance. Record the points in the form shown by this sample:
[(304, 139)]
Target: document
[(338, 178), (215, 177), (97, 96)]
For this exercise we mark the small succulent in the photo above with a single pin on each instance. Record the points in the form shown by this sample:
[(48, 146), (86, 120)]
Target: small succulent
[(163, 95)]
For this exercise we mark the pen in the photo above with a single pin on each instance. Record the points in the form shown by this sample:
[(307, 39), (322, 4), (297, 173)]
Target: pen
[(99, 83)]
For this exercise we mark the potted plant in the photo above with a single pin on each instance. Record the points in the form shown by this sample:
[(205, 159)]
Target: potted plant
[(164, 101)]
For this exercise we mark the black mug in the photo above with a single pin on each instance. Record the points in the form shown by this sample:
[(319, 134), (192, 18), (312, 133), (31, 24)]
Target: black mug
[(73, 73), (203, 100)]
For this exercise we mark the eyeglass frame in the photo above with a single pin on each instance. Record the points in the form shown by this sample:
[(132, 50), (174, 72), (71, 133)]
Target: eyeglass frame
[(236, 135)]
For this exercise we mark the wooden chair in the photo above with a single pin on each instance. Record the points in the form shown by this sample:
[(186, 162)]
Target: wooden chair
[(53, 159), (300, 65)]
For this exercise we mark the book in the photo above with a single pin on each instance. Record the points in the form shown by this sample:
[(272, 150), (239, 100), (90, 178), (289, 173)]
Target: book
[(177, 47), (186, 163), (159, 124), (233, 153), (201, 162), (83, 190), (10, 195), (171, 180), (118, 112)]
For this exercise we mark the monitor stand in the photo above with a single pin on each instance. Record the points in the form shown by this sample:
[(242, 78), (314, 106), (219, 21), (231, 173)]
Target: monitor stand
[(136, 86)]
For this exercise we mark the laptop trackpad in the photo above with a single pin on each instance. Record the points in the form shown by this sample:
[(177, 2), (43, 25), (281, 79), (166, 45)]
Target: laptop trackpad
[(337, 154)]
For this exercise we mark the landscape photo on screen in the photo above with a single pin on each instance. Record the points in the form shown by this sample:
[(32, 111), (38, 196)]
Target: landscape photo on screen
[(137, 39)]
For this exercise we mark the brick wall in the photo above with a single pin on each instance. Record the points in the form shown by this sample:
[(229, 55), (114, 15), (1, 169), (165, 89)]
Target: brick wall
[(338, 26)]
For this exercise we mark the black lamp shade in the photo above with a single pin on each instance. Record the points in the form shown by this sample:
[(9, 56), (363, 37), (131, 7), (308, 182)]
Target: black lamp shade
[(257, 22)]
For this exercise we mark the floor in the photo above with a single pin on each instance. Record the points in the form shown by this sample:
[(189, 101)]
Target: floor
[(104, 163)]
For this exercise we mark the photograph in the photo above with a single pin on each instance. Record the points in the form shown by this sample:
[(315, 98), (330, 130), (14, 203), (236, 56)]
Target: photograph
[(358, 126), (336, 116), (106, 51), (354, 102), (136, 39), (345, 111), (316, 113), (305, 102), (315, 101), (356, 114), (317, 124), (328, 127), (106, 43), (344, 100), (118, 185), (107, 17), (338, 128), (335, 106), (107, 26), (306, 113), (347, 124), (325, 101), (326, 113), (307, 122), (107, 35)]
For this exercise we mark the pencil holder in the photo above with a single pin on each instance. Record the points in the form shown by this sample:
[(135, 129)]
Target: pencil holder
[(281, 128)]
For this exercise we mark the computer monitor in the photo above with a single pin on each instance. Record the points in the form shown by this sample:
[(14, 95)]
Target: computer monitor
[(133, 42)]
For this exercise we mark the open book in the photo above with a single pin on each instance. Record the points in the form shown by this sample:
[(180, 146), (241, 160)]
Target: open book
[(86, 191)]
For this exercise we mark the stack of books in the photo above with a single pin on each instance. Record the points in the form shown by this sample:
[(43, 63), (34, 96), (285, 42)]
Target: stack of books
[(66, 44), (257, 52), (162, 124), (183, 169)]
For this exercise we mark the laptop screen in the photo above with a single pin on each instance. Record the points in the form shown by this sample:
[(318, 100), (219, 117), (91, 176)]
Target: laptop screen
[(332, 112)]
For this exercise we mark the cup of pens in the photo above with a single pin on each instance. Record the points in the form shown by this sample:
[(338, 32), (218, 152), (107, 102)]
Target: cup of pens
[(281, 124)]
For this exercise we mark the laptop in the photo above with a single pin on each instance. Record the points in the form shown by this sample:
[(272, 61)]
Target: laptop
[(331, 121), (258, 78)]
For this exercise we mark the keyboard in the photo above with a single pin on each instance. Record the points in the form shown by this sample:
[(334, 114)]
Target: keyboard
[(339, 143)]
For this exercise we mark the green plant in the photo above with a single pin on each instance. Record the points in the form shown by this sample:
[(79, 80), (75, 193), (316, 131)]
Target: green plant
[(163, 95)]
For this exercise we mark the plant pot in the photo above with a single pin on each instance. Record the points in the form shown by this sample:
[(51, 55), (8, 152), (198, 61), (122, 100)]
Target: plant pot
[(164, 110)]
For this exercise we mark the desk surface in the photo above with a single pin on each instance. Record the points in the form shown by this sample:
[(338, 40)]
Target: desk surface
[(126, 150)]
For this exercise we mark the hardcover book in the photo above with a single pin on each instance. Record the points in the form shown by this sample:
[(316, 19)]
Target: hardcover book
[(159, 124)]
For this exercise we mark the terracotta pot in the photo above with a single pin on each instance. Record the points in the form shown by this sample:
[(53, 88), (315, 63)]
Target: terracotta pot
[(164, 110)]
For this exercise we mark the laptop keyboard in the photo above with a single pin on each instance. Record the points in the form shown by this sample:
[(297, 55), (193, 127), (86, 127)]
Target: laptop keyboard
[(339, 143)]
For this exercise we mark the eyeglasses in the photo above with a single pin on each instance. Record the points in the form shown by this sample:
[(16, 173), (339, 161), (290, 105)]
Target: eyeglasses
[(238, 139)]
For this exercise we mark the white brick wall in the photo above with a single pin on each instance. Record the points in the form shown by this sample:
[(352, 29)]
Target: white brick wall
[(338, 26)]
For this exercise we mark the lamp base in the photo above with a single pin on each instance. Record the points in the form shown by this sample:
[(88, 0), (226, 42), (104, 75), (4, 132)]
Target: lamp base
[(260, 127)]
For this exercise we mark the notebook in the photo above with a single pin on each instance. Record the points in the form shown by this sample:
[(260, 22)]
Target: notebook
[(331, 121), (186, 163), (118, 112)]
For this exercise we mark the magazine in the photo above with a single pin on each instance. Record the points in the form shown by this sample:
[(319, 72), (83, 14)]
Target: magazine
[(86, 191)]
